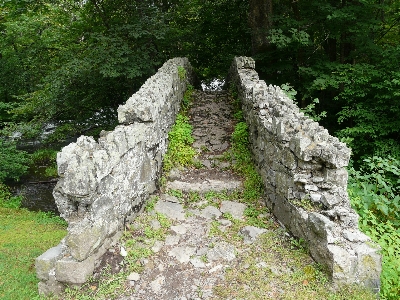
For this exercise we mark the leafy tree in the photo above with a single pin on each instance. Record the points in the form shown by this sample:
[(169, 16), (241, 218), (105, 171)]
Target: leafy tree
[(346, 54), (78, 60), (210, 34)]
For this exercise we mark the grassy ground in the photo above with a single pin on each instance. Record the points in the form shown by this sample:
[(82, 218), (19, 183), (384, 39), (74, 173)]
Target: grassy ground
[(24, 235)]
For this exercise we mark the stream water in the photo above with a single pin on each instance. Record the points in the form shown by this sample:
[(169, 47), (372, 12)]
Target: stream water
[(35, 188), (36, 191)]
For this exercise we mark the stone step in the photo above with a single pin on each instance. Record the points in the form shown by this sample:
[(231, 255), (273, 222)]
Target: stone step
[(205, 186), (204, 180)]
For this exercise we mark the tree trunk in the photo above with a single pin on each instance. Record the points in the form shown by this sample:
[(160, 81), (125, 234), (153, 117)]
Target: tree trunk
[(260, 22)]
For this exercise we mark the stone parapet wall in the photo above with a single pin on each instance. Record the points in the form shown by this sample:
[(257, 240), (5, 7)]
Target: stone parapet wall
[(304, 175), (106, 182)]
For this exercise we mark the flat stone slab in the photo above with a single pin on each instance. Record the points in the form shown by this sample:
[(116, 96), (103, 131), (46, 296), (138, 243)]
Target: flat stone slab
[(45, 262), (156, 284), (234, 208), (210, 212), (205, 186), (133, 276), (170, 209), (182, 254), (251, 233), (171, 240), (179, 229), (221, 250), (197, 262)]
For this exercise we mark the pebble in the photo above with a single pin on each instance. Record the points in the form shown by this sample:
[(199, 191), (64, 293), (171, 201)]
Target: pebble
[(134, 276), (123, 252)]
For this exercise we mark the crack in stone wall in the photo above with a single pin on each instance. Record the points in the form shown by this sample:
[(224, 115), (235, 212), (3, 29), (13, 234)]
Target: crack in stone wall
[(303, 171), (106, 182)]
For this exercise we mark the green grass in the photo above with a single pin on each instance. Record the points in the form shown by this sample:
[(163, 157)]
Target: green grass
[(24, 235)]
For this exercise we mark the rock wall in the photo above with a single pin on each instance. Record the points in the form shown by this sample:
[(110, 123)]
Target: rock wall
[(303, 171), (104, 183)]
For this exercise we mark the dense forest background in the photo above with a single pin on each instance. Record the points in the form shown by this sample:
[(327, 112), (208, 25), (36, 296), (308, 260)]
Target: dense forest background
[(69, 64)]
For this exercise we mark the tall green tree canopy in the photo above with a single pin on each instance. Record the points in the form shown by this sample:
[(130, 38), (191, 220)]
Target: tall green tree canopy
[(68, 62), (346, 54)]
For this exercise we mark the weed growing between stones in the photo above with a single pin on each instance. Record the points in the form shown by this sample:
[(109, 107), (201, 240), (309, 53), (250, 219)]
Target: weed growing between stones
[(187, 98), (176, 193), (181, 72), (242, 156), (306, 204), (180, 152)]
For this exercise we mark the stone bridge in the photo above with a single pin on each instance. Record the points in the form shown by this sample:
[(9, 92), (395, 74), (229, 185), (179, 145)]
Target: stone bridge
[(104, 184)]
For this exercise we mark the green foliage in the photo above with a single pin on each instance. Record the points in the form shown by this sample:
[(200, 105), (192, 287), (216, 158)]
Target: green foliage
[(345, 54), (181, 72), (374, 193), (6, 198), (187, 98), (289, 91), (68, 61), (310, 111), (176, 193), (48, 158), (13, 162), (256, 216), (44, 156), (151, 203), (377, 186), (244, 162), (180, 151), (210, 33)]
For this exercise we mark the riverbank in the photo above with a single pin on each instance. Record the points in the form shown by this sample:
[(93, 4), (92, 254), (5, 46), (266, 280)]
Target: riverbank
[(24, 235)]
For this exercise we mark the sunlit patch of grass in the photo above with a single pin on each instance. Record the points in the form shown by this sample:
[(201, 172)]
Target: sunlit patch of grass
[(24, 235)]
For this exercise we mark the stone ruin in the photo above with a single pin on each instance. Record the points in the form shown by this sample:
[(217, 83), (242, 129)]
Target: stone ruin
[(105, 183), (303, 172)]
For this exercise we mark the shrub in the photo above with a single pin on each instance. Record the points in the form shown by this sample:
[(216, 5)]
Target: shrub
[(374, 193), (13, 163)]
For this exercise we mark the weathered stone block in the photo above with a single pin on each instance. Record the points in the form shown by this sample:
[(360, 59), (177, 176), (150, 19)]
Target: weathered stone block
[(71, 271), (336, 176), (369, 265), (46, 262), (84, 237), (50, 286)]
